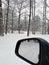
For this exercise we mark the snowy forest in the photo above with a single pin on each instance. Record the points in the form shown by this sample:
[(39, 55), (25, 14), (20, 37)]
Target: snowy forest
[(24, 16)]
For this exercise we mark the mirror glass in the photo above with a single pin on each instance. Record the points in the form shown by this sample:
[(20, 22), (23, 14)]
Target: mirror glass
[(30, 50)]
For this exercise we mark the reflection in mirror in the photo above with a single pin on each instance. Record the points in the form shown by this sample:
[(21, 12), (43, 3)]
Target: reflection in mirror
[(30, 50)]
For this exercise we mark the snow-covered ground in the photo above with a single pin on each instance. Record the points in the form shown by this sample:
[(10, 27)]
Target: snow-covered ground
[(7, 48)]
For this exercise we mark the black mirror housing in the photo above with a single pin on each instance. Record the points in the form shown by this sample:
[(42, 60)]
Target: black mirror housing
[(44, 47)]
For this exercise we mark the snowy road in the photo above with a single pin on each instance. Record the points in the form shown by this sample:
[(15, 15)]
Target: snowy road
[(7, 49)]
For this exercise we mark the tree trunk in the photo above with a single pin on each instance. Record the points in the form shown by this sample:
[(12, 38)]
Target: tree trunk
[(44, 18), (7, 18), (48, 29), (12, 22), (1, 20), (33, 17), (19, 17), (29, 20), (19, 23)]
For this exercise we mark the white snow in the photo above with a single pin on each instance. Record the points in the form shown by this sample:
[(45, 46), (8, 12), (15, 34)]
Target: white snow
[(7, 48)]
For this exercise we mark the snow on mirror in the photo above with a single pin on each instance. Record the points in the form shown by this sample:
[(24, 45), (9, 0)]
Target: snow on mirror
[(30, 50)]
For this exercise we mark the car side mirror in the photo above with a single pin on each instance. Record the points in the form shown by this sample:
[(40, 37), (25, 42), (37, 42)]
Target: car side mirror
[(28, 50)]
